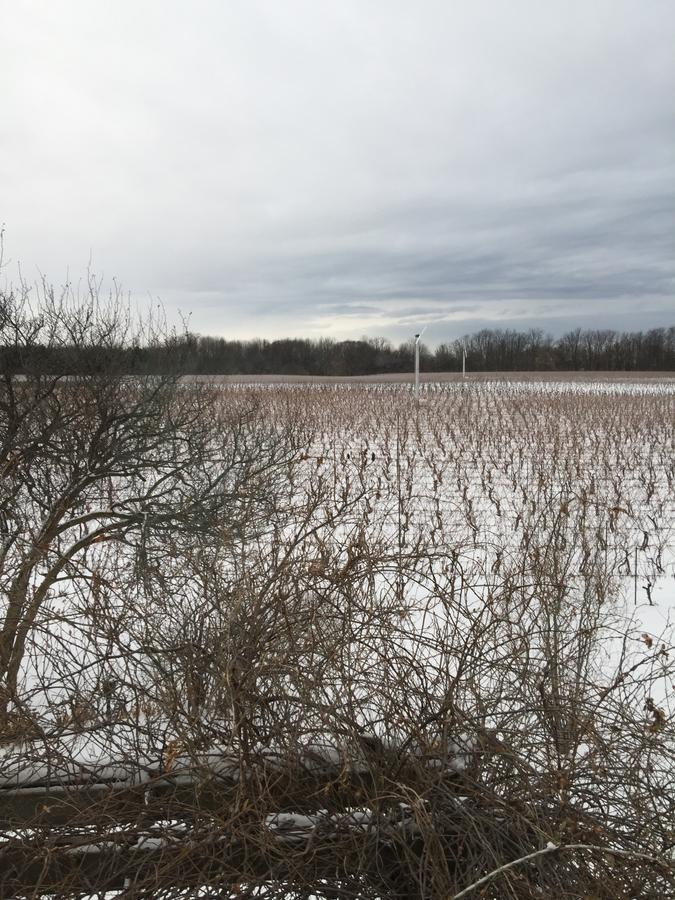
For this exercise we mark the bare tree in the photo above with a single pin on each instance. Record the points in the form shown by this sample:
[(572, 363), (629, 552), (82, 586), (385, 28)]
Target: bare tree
[(317, 643), (95, 457)]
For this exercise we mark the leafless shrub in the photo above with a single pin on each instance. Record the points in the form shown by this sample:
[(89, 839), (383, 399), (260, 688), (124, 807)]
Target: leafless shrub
[(329, 643)]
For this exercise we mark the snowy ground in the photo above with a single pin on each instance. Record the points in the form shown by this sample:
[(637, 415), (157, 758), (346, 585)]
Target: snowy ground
[(522, 509), (484, 478)]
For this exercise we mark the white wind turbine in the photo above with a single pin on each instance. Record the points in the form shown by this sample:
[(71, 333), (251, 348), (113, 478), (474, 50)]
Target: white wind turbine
[(417, 362)]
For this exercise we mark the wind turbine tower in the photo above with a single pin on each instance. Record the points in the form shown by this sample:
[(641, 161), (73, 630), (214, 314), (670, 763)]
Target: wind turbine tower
[(417, 363)]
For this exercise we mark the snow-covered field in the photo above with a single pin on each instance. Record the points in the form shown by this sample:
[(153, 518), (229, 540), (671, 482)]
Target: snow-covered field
[(470, 508), (501, 551), (507, 476)]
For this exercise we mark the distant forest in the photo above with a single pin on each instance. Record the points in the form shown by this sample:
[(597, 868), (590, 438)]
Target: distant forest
[(486, 350)]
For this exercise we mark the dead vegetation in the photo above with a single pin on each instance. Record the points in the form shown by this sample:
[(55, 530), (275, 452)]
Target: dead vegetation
[(331, 643)]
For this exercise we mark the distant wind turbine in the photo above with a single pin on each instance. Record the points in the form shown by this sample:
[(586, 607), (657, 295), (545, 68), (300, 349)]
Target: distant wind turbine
[(417, 362), (463, 360)]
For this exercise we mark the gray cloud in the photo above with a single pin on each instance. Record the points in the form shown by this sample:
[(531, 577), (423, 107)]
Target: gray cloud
[(346, 168)]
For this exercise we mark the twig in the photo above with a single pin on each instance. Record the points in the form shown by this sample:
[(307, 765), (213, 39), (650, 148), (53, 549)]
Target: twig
[(552, 848)]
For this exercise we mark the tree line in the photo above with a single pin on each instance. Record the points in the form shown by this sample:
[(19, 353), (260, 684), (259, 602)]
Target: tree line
[(487, 350)]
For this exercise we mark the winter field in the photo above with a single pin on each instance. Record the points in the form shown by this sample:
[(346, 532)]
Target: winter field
[(509, 494), (444, 623)]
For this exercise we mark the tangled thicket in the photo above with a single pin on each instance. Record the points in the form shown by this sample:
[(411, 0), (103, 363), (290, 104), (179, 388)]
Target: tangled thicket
[(326, 643)]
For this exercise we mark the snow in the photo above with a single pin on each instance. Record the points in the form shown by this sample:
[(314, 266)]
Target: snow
[(467, 467), (488, 477)]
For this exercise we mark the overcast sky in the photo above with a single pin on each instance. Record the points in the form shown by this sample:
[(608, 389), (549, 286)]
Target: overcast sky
[(347, 167)]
